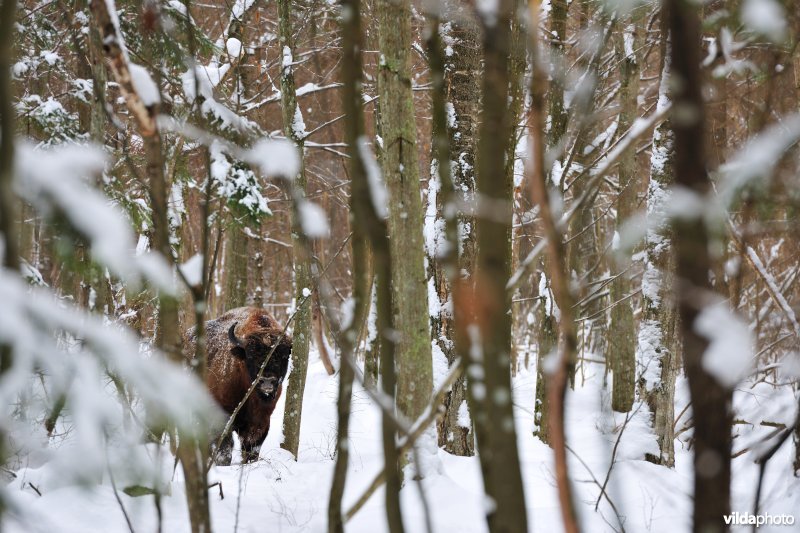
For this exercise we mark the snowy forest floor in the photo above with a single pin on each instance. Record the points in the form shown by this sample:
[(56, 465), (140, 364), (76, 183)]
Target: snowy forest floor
[(277, 494)]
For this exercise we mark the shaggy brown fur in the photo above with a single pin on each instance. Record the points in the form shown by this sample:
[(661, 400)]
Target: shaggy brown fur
[(234, 359)]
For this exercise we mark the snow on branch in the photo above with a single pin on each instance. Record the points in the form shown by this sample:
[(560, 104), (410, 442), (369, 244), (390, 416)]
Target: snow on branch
[(55, 182), (759, 157), (729, 355), (765, 17), (77, 352), (131, 78)]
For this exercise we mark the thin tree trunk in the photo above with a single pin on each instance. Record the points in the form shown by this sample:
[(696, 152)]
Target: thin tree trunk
[(8, 237), (367, 226), (8, 205), (516, 74), (622, 333), (168, 339), (292, 121), (8, 233), (557, 380), (491, 334), (710, 400), (546, 322)]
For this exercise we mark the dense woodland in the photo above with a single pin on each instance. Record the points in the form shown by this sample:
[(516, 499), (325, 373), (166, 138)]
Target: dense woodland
[(538, 262)]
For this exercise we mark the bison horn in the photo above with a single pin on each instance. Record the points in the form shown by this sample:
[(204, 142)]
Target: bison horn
[(232, 336)]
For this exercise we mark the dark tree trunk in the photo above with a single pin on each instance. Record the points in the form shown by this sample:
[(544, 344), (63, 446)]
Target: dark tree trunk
[(710, 400), (490, 397), (370, 228)]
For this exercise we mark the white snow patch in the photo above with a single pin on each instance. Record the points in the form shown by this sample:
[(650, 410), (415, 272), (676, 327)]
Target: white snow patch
[(276, 158), (234, 47), (144, 85), (313, 220), (729, 354), (192, 270), (766, 17), (377, 187)]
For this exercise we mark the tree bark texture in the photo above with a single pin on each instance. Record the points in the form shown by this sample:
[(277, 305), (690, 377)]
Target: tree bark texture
[(622, 332), (490, 335), (401, 171), (300, 247)]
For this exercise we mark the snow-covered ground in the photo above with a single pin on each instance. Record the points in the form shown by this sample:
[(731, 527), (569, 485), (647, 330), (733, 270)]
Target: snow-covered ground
[(277, 494)]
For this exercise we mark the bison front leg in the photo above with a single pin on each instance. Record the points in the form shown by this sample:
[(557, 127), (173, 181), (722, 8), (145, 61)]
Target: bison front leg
[(251, 442), (223, 454)]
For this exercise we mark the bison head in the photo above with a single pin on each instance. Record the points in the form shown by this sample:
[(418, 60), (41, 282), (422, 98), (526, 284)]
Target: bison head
[(254, 349)]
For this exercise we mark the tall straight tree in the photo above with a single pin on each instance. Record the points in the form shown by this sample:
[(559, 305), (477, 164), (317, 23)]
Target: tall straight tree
[(399, 160), (10, 250), (710, 400), (8, 208), (462, 70), (236, 239), (490, 335), (658, 351), (556, 261), (452, 179), (363, 214), (622, 332), (294, 129)]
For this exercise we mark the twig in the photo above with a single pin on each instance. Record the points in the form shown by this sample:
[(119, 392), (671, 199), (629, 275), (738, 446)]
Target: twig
[(602, 487), (628, 417), (35, 489), (416, 431), (116, 496), (218, 484), (766, 456)]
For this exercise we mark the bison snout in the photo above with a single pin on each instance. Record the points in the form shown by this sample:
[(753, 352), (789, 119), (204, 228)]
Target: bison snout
[(268, 386)]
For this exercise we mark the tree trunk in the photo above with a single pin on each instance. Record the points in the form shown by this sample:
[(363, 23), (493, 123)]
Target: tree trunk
[(546, 342), (658, 350), (8, 237), (168, 338), (235, 266), (368, 226), (292, 121), (462, 74), (401, 172), (454, 426), (710, 400), (491, 334), (561, 291), (622, 333), (547, 324)]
